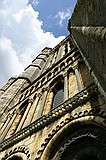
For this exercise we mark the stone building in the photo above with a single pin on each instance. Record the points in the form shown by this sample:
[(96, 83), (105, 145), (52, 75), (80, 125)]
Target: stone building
[(56, 109)]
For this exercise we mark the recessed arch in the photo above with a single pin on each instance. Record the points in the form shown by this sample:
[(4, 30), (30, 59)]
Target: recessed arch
[(62, 66), (21, 111), (23, 107), (57, 87), (55, 70), (69, 60), (76, 54), (54, 81), (70, 70), (49, 76), (64, 131)]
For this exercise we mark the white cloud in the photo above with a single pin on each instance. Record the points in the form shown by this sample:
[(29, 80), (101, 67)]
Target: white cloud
[(35, 3), (9, 62), (21, 37), (62, 16)]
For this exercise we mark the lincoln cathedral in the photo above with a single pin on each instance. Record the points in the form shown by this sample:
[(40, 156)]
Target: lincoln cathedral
[(56, 109)]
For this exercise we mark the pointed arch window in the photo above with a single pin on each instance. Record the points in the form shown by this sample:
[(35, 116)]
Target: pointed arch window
[(58, 94)]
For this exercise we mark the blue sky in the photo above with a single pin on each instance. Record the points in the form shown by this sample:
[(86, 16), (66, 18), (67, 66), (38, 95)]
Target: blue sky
[(26, 27), (54, 14)]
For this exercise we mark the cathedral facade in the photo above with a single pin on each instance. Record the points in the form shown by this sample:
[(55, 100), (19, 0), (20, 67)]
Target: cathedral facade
[(56, 109)]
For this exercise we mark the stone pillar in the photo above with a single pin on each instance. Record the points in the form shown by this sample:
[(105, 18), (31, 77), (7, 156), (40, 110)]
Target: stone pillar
[(5, 124), (32, 110), (53, 59), (68, 45), (49, 101), (65, 86), (8, 126), (73, 89), (78, 78), (24, 116), (45, 90)]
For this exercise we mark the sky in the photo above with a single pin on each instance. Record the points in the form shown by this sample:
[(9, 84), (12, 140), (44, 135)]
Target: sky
[(26, 27)]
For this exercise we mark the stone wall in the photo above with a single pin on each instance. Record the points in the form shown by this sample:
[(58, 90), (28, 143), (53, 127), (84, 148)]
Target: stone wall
[(87, 26), (89, 13)]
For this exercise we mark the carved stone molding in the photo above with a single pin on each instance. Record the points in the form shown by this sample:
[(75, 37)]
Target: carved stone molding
[(21, 149), (86, 136), (91, 112)]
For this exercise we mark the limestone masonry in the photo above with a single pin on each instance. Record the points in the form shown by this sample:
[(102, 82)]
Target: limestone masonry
[(56, 109)]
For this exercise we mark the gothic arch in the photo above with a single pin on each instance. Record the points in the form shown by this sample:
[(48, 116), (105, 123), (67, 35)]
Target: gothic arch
[(66, 130)]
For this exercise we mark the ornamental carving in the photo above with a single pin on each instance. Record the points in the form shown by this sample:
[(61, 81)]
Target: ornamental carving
[(19, 149)]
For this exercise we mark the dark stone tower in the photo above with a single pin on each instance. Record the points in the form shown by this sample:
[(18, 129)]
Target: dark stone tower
[(56, 109)]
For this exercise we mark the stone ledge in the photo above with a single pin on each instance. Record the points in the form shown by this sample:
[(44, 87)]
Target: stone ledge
[(98, 33)]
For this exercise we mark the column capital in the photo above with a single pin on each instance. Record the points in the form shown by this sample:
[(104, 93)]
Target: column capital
[(30, 100), (39, 95), (65, 74), (71, 73), (10, 115), (45, 89), (51, 89), (15, 111)]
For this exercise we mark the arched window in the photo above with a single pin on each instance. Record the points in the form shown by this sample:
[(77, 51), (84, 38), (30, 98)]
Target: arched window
[(19, 116), (58, 94)]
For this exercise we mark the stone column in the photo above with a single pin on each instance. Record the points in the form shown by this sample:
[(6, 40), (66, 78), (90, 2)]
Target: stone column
[(48, 105), (8, 126), (45, 90), (68, 46), (65, 86), (5, 124), (25, 115), (53, 59), (79, 83), (33, 108), (73, 88)]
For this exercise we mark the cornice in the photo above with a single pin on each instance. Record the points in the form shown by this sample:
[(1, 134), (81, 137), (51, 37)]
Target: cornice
[(66, 107)]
